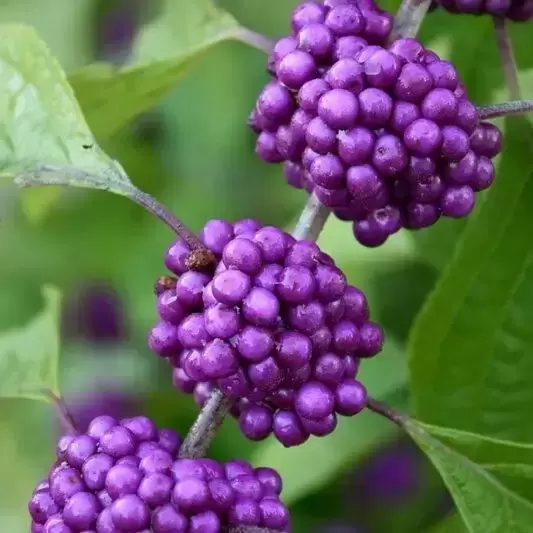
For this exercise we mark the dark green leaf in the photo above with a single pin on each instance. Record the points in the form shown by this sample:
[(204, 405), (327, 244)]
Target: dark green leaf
[(486, 503), (352, 439), (29, 355), (470, 348), (163, 53)]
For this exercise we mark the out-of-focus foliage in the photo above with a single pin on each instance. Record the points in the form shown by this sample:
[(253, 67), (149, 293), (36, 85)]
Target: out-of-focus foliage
[(192, 150)]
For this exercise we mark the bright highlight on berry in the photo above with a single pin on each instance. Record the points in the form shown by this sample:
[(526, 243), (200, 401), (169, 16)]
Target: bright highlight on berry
[(385, 137), (276, 328), (124, 477)]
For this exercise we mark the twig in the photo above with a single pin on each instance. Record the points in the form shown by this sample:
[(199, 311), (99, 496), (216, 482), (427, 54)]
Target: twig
[(254, 39), (206, 425), (312, 220), (505, 47), (409, 18), (518, 107), (161, 212), (64, 415), (388, 412)]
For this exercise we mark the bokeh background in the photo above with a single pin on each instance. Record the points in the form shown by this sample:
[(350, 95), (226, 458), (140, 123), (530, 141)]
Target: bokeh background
[(194, 152)]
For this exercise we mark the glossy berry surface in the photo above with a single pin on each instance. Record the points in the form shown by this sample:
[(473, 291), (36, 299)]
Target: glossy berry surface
[(515, 10), (125, 477), (385, 137), (276, 327)]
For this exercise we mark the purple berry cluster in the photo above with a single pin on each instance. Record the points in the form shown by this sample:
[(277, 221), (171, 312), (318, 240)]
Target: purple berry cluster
[(276, 328), (385, 137), (123, 477), (515, 10)]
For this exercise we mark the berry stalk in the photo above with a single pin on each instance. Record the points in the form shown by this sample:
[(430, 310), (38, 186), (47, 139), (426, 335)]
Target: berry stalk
[(409, 18), (254, 39), (205, 427), (517, 107), (201, 256), (505, 47), (386, 411), (312, 220)]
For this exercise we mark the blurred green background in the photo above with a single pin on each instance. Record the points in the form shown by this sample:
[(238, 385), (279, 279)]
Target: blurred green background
[(194, 152)]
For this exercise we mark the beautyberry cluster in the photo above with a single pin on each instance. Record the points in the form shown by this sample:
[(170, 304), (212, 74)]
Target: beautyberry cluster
[(515, 10), (276, 328), (385, 137), (123, 477)]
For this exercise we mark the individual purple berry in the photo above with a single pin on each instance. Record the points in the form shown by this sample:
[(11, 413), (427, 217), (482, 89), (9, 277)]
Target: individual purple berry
[(296, 68), (314, 401), (390, 156), (345, 19), (164, 339), (355, 146), (81, 511), (346, 74), (457, 201), (275, 103), (288, 429), (256, 423), (320, 137), (350, 397), (231, 287), (317, 39), (320, 428), (413, 83), (273, 513), (307, 13), (338, 108), (382, 69)]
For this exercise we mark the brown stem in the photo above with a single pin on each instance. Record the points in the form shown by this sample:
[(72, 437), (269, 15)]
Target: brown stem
[(161, 212), (386, 411)]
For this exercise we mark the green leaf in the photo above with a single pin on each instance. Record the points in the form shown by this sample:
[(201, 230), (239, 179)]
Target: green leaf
[(43, 135), (509, 462), (486, 503), (352, 439), (470, 348), (163, 53), (29, 355)]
